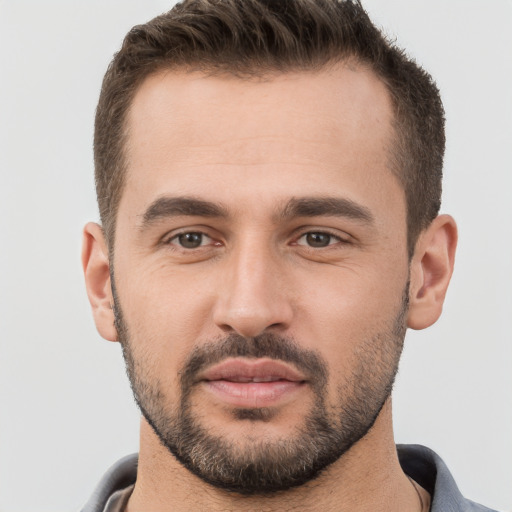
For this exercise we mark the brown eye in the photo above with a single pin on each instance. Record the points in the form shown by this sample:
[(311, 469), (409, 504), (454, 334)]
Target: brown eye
[(190, 240), (318, 239)]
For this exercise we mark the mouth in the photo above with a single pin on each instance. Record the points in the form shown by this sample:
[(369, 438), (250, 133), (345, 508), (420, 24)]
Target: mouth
[(253, 383)]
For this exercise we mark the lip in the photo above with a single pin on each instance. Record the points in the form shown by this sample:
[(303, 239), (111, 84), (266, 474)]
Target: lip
[(252, 383)]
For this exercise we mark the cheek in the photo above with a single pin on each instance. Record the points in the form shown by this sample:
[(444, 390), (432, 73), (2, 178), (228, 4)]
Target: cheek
[(165, 316), (166, 303), (355, 334), (345, 308), (153, 377)]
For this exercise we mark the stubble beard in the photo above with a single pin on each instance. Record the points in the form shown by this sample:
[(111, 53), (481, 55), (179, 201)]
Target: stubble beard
[(267, 466)]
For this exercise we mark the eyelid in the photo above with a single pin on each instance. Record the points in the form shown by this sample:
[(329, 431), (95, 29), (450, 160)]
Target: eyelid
[(183, 228), (343, 237), (168, 238), (188, 232)]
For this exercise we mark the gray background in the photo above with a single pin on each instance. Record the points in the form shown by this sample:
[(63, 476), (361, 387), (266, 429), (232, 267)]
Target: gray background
[(66, 411)]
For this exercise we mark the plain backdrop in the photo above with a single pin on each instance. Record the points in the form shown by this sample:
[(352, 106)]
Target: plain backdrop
[(66, 411)]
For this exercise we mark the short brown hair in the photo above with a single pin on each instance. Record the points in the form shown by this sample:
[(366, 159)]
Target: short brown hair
[(248, 38)]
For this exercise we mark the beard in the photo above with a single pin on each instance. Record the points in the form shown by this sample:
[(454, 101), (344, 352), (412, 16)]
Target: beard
[(265, 466)]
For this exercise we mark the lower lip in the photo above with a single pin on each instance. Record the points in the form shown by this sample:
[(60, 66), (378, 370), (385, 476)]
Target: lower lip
[(253, 394)]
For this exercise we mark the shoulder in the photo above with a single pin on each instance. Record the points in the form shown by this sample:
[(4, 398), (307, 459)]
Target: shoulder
[(119, 476), (429, 470)]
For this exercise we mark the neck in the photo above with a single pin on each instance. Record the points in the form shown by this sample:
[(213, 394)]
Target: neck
[(367, 477)]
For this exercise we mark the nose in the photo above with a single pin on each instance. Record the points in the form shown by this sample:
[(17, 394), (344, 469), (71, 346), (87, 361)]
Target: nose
[(252, 296)]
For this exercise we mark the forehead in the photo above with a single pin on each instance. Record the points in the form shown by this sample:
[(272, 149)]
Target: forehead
[(223, 109), (280, 136)]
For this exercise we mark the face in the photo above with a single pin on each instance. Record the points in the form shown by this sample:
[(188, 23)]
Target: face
[(261, 270)]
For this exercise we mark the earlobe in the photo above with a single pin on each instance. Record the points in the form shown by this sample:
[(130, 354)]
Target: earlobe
[(431, 270), (95, 262)]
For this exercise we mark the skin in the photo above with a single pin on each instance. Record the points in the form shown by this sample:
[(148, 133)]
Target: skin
[(251, 147)]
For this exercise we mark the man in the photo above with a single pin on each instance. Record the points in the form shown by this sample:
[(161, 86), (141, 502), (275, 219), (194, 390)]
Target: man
[(269, 180)]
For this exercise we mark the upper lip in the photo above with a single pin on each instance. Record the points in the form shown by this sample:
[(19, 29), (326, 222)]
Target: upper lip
[(252, 370)]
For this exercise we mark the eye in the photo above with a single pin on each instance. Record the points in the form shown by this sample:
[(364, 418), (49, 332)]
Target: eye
[(318, 239), (190, 240)]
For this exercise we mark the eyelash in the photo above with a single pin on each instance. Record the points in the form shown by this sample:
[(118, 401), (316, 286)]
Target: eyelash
[(176, 236), (339, 240)]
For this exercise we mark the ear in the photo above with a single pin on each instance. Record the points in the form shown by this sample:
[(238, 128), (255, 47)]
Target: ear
[(96, 267), (431, 270)]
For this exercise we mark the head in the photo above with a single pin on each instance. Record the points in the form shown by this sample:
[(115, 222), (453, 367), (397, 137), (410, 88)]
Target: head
[(268, 181)]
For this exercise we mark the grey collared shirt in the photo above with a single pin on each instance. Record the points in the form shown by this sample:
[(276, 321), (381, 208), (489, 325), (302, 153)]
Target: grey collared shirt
[(419, 462)]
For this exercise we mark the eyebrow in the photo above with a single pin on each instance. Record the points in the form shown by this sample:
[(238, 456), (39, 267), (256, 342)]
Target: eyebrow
[(165, 207), (326, 207)]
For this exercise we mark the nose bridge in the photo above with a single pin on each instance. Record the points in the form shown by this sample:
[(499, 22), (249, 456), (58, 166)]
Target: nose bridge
[(252, 297)]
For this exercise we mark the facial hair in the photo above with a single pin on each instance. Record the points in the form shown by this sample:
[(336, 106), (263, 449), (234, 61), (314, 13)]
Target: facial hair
[(267, 466)]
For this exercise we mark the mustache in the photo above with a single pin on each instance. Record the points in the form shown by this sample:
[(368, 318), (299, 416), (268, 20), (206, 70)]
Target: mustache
[(267, 345)]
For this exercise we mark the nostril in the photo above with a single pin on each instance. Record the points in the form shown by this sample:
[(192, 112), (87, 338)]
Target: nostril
[(226, 328), (249, 327)]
